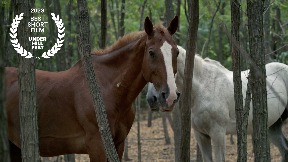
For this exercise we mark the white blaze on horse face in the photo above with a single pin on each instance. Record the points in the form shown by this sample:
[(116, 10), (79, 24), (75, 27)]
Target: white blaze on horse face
[(166, 50)]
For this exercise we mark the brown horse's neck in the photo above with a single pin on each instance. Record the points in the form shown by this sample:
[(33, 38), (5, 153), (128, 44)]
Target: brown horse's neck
[(119, 72)]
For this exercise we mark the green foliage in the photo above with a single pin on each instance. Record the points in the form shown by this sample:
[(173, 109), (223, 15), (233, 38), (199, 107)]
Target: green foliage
[(156, 11)]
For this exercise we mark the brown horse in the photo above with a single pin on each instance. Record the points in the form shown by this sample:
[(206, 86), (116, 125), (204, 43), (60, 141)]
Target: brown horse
[(66, 117)]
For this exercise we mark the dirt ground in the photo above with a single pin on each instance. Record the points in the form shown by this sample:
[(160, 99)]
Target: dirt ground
[(154, 149)]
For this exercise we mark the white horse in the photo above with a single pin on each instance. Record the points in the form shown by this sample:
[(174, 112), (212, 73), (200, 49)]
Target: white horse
[(213, 110)]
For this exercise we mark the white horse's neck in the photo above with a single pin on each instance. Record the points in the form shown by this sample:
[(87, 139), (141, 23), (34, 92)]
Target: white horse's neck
[(204, 70)]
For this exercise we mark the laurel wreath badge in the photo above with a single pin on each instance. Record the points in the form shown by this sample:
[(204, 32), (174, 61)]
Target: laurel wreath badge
[(51, 52)]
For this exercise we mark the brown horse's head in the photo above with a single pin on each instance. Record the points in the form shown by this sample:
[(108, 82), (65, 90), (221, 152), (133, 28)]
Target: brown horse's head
[(160, 62)]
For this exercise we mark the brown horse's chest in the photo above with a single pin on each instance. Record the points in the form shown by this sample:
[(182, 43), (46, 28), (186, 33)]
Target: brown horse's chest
[(123, 125)]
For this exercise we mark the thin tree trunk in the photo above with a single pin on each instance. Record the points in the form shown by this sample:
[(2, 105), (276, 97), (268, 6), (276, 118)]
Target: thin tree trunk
[(126, 156), (199, 155), (187, 97), (165, 129), (137, 106), (261, 145), (220, 53), (178, 13), (149, 124), (206, 46), (27, 90), (77, 32), (69, 158), (103, 23), (4, 144), (61, 54), (52, 32), (7, 53), (112, 15), (266, 27), (241, 121), (177, 131), (170, 120), (85, 49), (276, 40), (142, 14), (169, 14), (69, 31), (121, 26)]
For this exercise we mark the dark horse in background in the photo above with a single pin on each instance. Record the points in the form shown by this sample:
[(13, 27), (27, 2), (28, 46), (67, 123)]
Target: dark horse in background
[(66, 117)]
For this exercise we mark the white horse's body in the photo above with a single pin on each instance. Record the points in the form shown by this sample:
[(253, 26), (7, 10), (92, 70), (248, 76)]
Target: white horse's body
[(213, 110)]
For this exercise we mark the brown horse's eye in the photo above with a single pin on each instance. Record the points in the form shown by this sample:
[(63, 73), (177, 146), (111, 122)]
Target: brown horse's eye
[(152, 54)]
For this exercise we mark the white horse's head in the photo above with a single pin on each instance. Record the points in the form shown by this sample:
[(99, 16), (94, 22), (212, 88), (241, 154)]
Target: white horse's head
[(152, 94)]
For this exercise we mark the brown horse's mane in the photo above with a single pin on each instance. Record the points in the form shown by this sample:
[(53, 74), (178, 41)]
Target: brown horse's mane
[(126, 39), (120, 43)]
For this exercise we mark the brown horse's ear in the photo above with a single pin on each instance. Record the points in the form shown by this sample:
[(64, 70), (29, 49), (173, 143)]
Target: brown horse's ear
[(148, 26), (173, 25)]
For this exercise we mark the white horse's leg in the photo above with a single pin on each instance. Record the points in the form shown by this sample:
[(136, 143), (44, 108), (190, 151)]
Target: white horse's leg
[(277, 138), (219, 143), (204, 142)]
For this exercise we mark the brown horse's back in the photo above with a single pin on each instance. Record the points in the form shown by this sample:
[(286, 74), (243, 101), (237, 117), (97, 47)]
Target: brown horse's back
[(57, 119)]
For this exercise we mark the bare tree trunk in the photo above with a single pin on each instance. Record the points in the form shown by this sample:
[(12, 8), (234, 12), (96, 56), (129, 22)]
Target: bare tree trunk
[(61, 54), (126, 156), (199, 155), (178, 13), (149, 124), (52, 32), (4, 144), (187, 97), (69, 30), (266, 27), (137, 106), (165, 129), (69, 158), (85, 49), (177, 131), (169, 14), (276, 39), (121, 26), (142, 14), (112, 15), (27, 90), (7, 53), (61, 57), (170, 120), (241, 114), (258, 77), (206, 45), (221, 34), (103, 23)]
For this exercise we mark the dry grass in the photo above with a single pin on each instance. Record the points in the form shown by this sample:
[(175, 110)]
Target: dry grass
[(154, 148)]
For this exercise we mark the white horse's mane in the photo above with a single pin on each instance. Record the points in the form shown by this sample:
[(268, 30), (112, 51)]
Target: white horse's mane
[(199, 61), (217, 63)]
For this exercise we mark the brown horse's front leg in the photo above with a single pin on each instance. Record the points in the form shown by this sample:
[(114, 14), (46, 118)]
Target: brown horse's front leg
[(97, 152), (95, 149), (120, 149)]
